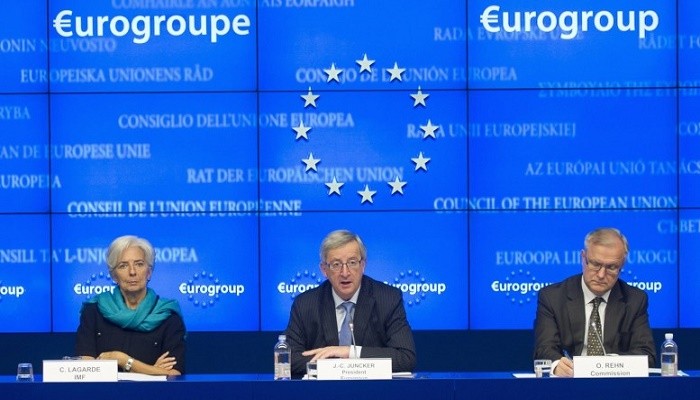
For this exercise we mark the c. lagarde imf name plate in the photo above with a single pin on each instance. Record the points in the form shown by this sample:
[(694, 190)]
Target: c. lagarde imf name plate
[(80, 370), (353, 368)]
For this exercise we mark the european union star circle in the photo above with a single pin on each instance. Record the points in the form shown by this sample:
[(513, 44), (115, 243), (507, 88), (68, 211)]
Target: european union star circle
[(333, 76)]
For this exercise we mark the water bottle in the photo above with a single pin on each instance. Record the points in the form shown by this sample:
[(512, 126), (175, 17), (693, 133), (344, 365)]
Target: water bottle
[(669, 356), (283, 359)]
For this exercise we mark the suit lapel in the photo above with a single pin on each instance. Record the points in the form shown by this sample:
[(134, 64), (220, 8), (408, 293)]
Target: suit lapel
[(615, 311), (576, 313), (363, 311), (329, 322)]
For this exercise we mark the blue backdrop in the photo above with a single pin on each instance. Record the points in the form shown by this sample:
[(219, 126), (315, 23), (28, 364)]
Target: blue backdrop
[(471, 144)]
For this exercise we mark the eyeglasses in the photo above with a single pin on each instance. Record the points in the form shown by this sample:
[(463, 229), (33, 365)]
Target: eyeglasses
[(610, 269), (137, 264), (353, 264)]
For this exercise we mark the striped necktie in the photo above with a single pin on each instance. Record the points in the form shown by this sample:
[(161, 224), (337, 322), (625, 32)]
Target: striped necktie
[(345, 336)]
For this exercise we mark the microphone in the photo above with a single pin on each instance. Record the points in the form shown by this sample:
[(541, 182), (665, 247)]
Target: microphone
[(594, 326), (352, 337)]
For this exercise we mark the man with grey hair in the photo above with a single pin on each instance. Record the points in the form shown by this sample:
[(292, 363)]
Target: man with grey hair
[(594, 312), (350, 315)]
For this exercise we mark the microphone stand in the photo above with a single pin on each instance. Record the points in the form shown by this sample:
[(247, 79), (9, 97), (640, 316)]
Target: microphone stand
[(594, 326), (352, 337)]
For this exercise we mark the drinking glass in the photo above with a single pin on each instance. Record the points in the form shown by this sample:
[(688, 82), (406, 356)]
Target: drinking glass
[(25, 372), (543, 368), (311, 370)]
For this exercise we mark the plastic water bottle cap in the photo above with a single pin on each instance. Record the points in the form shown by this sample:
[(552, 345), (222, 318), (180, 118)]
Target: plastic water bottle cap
[(283, 338), (669, 336)]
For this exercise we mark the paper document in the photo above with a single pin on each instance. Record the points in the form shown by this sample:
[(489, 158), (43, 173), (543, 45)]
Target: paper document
[(657, 371), (524, 375), (135, 376), (394, 375)]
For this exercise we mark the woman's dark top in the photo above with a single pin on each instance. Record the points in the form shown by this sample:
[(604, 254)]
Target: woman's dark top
[(97, 335)]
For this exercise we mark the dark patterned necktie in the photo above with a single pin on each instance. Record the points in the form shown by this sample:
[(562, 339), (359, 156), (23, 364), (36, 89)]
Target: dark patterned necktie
[(345, 336), (595, 348)]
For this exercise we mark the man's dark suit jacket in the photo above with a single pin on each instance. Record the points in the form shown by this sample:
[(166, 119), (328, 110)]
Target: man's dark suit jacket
[(561, 319), (380, 325)]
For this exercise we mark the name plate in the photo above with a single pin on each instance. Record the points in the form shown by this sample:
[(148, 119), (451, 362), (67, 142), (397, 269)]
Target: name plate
[(80, 370), (611, 366), (353, 368)]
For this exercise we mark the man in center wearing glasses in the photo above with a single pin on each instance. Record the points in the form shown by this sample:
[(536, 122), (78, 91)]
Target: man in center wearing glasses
[(575, 315), (320, 318)]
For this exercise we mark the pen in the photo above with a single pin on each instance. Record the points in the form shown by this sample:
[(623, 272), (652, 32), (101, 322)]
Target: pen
[(566, 354)]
